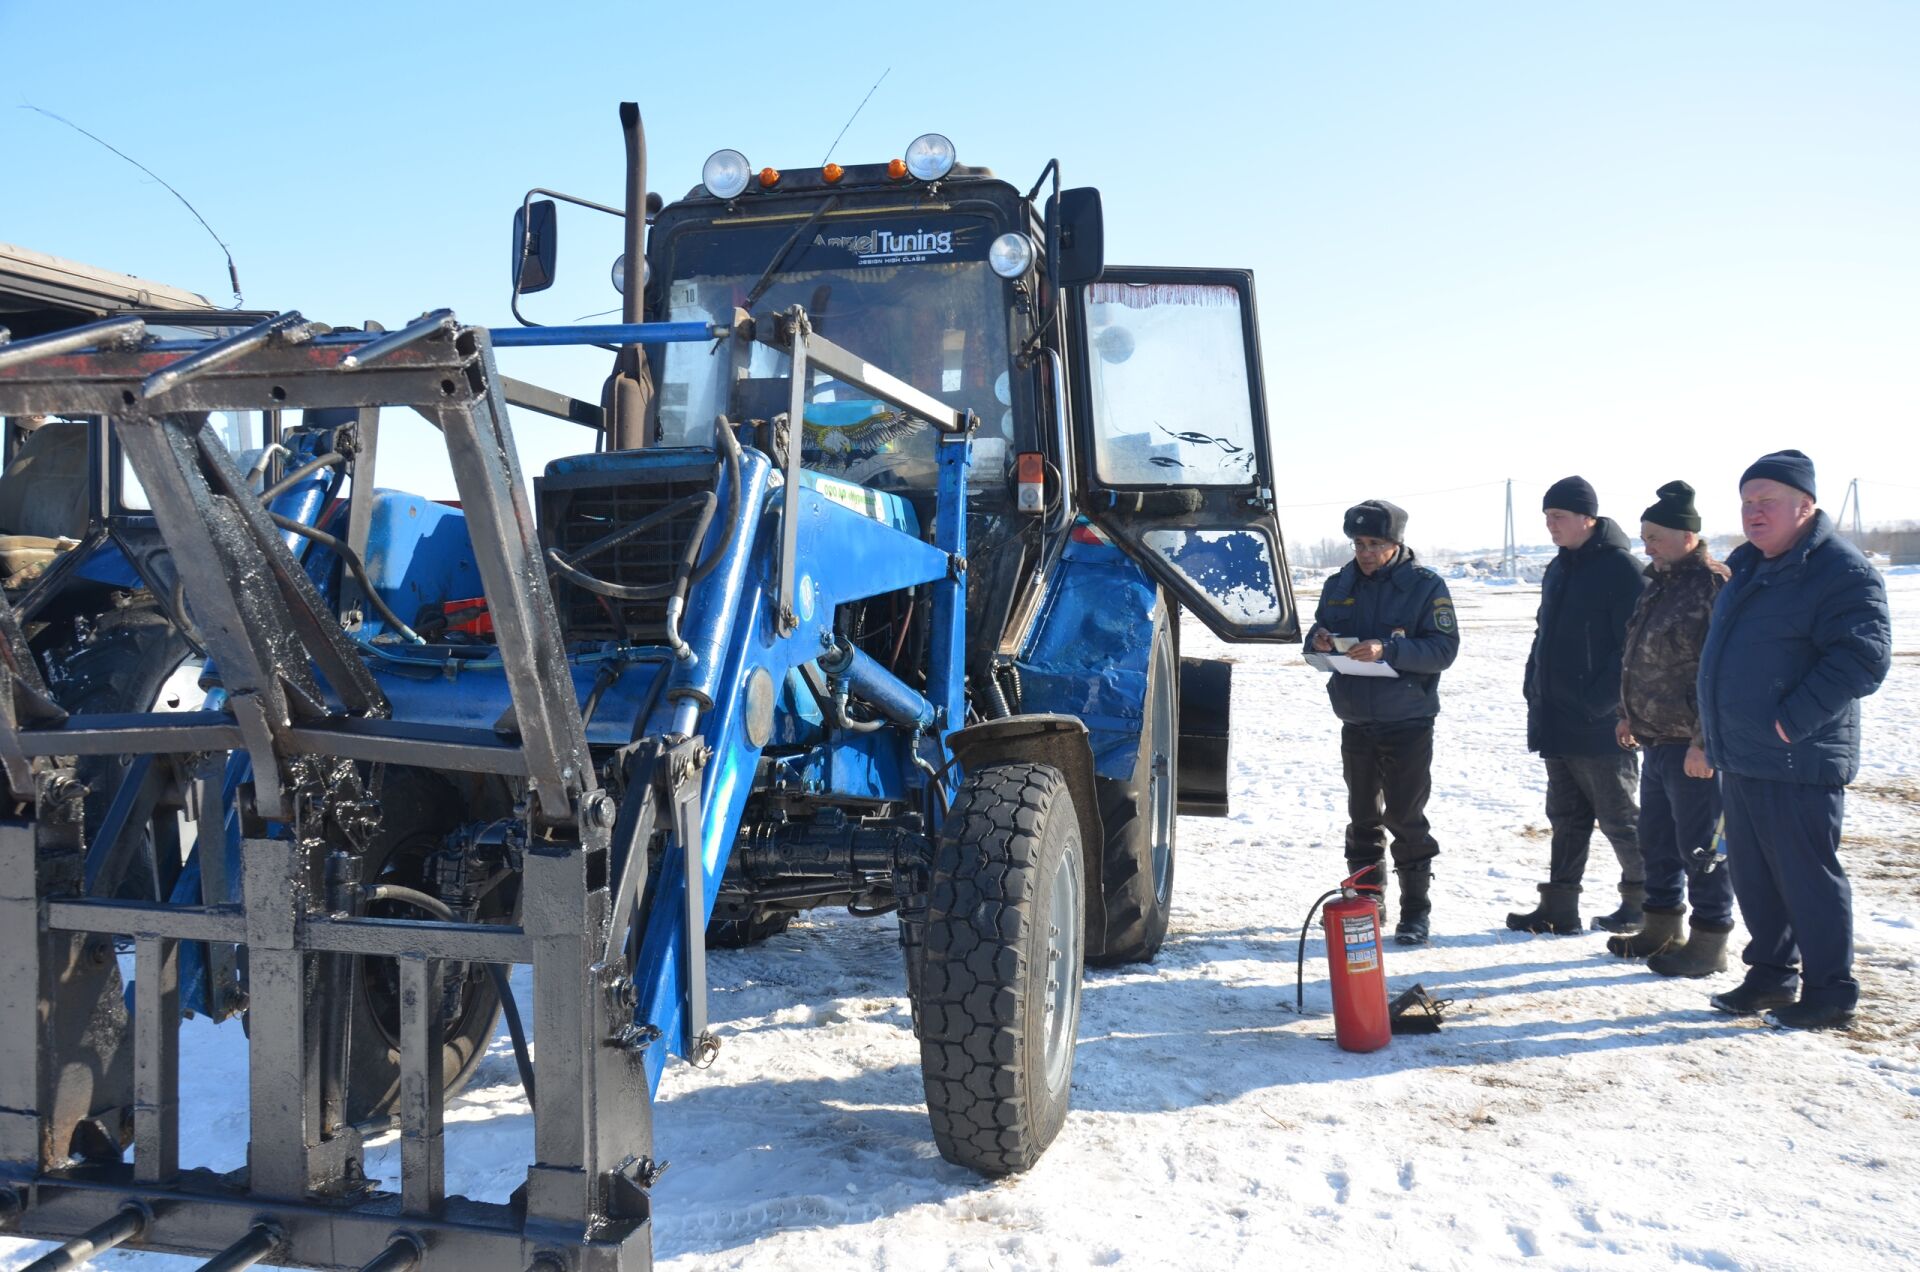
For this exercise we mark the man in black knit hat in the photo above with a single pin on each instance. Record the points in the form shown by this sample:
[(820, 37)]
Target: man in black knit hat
[(1385, 607), (1679, 799), (1573, 701), (1800, 634)]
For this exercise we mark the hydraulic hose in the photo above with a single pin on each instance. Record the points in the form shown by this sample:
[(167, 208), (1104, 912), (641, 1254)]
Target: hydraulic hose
[(300, 474), (352, 562), (705, 500)]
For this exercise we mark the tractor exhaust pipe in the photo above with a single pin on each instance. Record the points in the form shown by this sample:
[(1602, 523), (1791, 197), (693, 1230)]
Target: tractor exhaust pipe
[(636, 207), (629, 389)]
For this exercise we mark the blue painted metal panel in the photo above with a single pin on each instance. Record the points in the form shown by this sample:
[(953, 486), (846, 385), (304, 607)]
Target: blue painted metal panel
[(473, 693), (108, 565), (1089, 652), (417, 553), (858, 766)]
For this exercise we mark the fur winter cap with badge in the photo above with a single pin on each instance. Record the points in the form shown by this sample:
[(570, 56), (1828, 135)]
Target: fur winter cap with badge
[(1377, 519), (1673, 508)]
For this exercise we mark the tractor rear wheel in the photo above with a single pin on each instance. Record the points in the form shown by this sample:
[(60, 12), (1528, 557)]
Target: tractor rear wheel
[(1140, 818), (418, 809), (136, 663), (1000, 967)]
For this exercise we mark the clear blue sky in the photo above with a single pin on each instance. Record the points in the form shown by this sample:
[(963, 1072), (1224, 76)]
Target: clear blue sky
[(1636, 241)]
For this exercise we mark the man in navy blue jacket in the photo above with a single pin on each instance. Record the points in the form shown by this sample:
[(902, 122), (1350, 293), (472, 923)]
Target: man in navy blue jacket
[(1573, 699), (1799, 635), (1385, 607)]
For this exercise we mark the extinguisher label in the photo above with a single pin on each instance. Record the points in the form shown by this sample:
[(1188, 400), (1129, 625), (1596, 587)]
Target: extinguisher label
[(1363, 944)]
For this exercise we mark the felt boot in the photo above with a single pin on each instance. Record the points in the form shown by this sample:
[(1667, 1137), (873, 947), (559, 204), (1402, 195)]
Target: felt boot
[(1660, 931), (1704, 953), (1629, 916), (1558, 911)]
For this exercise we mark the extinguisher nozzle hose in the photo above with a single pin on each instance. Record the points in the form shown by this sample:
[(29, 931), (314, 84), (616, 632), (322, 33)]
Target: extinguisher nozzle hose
[(1300, 955)]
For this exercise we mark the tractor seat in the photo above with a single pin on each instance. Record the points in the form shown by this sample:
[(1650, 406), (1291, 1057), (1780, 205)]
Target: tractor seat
[(43, 500)]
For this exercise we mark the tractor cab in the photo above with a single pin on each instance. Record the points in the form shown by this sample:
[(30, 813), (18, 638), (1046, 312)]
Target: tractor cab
[(1130, 399)]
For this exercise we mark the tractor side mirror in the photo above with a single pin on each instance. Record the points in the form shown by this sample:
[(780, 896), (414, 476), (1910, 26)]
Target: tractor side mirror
[(1075, 214), (536, 245)]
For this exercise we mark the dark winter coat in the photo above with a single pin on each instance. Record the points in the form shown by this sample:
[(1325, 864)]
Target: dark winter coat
[(1798, 639), (1662, 659), (1573, 673), (1407, 606)]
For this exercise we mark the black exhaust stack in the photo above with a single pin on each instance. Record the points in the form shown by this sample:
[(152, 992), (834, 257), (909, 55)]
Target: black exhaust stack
[(629, 390)]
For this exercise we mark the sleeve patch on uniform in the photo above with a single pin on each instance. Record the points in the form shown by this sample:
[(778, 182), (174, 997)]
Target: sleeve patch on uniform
[(1443, 615)]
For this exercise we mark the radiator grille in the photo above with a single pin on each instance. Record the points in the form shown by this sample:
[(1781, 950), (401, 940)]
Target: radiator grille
[(579, 514)]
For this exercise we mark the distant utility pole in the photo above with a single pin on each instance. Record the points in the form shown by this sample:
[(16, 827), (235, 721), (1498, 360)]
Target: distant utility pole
[(1852, 500), (1510, 554)]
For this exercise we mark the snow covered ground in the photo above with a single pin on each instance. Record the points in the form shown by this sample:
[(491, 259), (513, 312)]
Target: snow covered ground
[(1576, 1111)]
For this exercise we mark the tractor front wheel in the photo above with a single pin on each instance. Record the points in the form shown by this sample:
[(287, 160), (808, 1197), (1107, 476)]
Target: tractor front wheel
[(1000, 967)]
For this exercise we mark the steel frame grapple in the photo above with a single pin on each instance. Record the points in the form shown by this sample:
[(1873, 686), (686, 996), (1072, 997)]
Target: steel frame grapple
[(306, 714)]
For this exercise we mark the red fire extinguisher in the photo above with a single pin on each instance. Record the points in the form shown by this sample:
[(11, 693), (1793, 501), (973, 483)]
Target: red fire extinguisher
[(1356, 973)]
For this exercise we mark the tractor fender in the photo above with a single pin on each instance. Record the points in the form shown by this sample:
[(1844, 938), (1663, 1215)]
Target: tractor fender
[(1061, 741), (1206, 702)]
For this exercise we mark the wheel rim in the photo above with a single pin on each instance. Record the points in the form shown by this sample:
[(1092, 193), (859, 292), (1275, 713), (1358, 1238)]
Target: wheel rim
[(1161, 806), (1063, 978)]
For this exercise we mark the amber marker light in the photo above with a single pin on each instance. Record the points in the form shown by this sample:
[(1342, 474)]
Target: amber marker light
[(833, 172), (897, 169), (769, 177)]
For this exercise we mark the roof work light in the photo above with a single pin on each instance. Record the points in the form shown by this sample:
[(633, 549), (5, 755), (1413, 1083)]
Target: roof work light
[(930, 157), (725, 174)]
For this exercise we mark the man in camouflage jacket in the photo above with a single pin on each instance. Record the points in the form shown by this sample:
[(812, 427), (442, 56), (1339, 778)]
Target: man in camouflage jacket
[(1659, 711)]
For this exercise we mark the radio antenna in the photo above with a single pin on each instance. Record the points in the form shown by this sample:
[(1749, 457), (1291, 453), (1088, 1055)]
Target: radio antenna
[(233, 271), (856, 114)]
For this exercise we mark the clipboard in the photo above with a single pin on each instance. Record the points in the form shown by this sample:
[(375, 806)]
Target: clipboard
[(1345, 666)]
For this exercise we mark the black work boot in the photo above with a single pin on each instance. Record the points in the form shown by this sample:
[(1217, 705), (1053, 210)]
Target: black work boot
[(1805, 1015), (1660, 932), (1704, 953), (1629, 916), (1416, 904), (1750, 1000), (1372, 883), (1558, 911)]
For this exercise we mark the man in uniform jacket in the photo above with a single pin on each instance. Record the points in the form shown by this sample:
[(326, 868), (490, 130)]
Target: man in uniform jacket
[(1800, 634), (1383, 606), (1573, 701), (1679, 800)]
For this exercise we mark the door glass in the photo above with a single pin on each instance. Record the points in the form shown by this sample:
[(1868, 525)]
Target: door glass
[(1233, 568), (1168, 371)]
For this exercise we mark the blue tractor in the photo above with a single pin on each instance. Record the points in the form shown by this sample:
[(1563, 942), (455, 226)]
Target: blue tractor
[(867, 597)]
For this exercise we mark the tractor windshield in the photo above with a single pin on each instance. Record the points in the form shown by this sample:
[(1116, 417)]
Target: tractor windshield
[(911, 294)]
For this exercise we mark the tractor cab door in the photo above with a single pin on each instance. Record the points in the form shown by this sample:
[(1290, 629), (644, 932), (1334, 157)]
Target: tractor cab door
[(1172, 456)]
